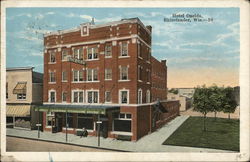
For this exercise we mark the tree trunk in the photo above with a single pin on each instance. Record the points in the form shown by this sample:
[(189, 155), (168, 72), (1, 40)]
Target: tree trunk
[(215, 113), (204, 124), (228, 115)]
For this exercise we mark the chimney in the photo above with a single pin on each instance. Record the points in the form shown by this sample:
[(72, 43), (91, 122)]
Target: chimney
[(92, 21), (164, 62), (149, 27)]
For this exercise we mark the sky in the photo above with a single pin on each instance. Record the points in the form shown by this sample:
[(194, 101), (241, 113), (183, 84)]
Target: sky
[(197, 53)]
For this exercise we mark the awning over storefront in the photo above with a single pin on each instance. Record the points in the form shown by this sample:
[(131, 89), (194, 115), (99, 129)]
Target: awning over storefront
[(20, 88), (18, 110), (87, 109)]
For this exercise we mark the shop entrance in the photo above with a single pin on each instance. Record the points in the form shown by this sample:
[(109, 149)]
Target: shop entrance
[(57, 123)]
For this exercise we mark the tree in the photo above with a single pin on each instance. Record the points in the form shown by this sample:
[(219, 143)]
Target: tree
[(229, 102), (216, 99), (202, 102)]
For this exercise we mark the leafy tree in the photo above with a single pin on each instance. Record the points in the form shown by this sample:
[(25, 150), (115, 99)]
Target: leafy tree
[(229, 102), (202, 102), (216, 99)]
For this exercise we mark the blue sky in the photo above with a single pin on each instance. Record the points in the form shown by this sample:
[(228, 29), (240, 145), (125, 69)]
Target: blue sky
[(196, 52)]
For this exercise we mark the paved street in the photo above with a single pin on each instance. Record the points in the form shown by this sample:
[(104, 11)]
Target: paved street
[(20, 144), (150, 143)]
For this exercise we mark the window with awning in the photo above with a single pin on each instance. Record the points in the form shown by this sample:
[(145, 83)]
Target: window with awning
[(20, 88)]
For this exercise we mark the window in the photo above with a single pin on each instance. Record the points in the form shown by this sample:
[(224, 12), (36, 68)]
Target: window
[(108, 50), (148, 75), (77, 75), (64, 76), (52, 77), (148, 96), (21, 96), (107, 96), (108, 74), (52, 57), (139, 50), (139, 96), (122, 122), (7, 94), (93, 96), (139, 72), (49, 119), (69, 120), (124, 49), (85, 121), (92, 53), (64, 96), (64, 54), (124, 97), (78, 53), (124, 73), (52, 96), (77, 96), (92, 74)]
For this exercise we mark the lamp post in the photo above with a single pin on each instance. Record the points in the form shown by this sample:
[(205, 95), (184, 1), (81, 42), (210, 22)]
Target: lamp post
[(66, 126)]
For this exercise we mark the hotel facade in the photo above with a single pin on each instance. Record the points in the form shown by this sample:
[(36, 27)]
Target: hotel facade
[(103, 77)]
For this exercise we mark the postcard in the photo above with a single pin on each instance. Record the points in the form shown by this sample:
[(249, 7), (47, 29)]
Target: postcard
[(124, 81)]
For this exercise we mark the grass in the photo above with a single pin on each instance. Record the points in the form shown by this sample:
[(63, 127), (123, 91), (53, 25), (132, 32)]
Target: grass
[(221, 134)]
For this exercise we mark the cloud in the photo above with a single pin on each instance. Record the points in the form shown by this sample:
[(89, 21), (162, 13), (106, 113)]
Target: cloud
[(87, 17), (233, 32)]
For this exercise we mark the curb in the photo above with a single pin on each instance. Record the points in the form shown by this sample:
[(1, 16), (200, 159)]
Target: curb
[(68, 144)]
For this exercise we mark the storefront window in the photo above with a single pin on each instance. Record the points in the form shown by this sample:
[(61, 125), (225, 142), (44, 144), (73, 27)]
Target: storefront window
[(85, 121)]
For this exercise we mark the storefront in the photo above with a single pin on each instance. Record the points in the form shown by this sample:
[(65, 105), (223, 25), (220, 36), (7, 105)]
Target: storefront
[(73, 118)]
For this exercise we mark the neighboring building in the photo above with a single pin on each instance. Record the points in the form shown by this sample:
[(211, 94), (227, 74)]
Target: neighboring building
[(105, 71), (24, 90), (185, 102), (188, 92)]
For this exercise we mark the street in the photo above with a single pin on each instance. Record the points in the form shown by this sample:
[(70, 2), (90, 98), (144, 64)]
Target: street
[(21, 144)]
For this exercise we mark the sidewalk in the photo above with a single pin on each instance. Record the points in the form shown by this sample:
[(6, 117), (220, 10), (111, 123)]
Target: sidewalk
[(150, 143)]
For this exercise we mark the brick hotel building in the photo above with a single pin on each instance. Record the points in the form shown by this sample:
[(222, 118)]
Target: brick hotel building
[(104, 73)]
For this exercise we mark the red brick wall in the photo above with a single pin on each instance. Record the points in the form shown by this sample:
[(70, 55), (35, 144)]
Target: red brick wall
[(159, 80), (143, 121)]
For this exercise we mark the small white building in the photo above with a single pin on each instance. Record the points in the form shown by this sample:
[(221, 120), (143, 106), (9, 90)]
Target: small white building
[(185, 101)]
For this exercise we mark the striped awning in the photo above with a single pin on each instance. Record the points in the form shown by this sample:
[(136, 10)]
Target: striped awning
[(18, 110), (20, 88)]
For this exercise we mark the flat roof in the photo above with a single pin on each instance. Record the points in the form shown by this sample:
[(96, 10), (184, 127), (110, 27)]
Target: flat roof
[(19, 68)]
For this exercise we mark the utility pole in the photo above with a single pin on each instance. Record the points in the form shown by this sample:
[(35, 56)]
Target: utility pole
[(38, 124), (98, 128), (66, 125)]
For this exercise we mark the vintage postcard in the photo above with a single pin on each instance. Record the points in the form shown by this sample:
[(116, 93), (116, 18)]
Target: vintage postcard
[(124, 81)]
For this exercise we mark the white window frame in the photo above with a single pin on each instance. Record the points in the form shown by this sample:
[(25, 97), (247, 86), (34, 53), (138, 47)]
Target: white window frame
[(92, 53), (106, 51), (66, 96), (49, 114), (78, 92), (50, 54), (110, 97), (67, 52), (64, 72), (92, 90), (106, 70), (78, 76), (139, 50), (120, 67), (148, 96), (49, 99), (50, 76), (122, 48), (78, 53), (120, 96), (92, 75), (139, 96)]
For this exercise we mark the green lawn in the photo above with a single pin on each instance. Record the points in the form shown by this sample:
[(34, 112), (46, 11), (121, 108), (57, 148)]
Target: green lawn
[(221, 134)]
